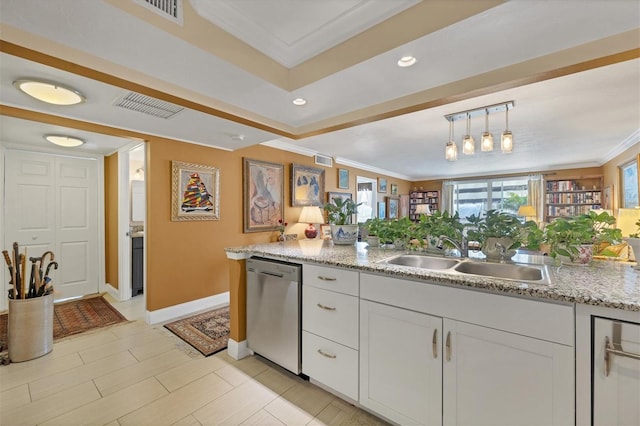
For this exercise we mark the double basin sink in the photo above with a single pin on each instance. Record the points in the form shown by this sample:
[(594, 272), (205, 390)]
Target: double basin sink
[(537, 274)]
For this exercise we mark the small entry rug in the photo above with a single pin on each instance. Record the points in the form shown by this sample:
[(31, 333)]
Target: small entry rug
[(74, 317), (207, 332)]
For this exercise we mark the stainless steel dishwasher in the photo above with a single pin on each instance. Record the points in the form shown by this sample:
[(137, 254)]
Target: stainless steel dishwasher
[(273, 311)]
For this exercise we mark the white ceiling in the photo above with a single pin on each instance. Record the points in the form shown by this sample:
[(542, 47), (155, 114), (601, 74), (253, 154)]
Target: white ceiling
[(579, 119)]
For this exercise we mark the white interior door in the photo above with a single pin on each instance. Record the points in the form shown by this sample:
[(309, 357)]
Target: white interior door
[(52, 204)]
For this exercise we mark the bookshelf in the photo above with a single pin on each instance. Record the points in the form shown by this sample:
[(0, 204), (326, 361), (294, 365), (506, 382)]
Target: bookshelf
[(572, 196), (416, 198)]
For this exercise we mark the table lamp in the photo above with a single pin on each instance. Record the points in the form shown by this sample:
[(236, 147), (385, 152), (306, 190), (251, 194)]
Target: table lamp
[(423, 209), (527, 212), (311, 215)]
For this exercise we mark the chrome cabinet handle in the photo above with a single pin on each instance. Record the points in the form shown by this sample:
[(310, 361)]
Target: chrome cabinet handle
[(614, 347), (448, 347), (326, 354), (320, 277), (434, 343), (327, 308)]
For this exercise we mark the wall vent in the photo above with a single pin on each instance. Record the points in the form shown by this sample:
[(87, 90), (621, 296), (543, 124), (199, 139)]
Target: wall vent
[(148, 105), (324, 160), (170, 9)]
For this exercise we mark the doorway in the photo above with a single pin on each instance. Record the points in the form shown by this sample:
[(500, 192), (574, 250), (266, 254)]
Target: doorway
[(131, 222), (366, 195)]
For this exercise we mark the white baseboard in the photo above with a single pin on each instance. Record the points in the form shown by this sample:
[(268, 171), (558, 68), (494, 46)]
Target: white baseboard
[(188, 308), (111, 290), (238, 350)]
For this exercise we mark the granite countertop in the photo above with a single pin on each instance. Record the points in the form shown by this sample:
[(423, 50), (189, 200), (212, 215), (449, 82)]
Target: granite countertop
[(607, 284)]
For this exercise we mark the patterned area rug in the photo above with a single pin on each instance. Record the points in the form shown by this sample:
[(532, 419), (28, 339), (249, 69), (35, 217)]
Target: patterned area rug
[(207, 332), (74, 317)]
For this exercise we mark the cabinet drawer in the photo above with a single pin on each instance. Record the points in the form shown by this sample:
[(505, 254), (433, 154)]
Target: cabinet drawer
[(331, 315), (340, 280), (331, 364)]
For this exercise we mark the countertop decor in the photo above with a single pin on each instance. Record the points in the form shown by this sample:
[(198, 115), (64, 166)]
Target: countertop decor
[(603, 283)]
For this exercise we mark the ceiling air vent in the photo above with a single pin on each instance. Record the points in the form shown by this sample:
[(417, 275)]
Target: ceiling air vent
[(171, 9), (148, 105), (324, 160)]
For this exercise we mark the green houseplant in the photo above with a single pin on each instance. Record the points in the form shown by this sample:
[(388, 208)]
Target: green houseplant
[(373, 227), (499, 233), (432, 227), (339, 212), (634, 241), (574, 237)]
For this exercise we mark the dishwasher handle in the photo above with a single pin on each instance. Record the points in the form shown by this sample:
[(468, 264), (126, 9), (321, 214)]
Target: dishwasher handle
[(270, 274)]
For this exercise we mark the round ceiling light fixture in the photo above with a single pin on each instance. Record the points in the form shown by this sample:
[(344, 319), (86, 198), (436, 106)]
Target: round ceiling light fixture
[(406, 61), (65, 141), (299, 101), (49, 92)]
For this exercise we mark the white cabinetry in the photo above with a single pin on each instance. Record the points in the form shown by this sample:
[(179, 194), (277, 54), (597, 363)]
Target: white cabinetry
[(400, 364), (503, 360), (616, 388), (330, 328)]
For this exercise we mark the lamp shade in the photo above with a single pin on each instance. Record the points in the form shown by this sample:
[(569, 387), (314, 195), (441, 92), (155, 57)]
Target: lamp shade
[(423, 209), (311, 215), (527, 211)]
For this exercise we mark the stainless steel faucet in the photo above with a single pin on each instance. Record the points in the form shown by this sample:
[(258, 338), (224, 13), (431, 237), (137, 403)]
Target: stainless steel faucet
[(462, 246)]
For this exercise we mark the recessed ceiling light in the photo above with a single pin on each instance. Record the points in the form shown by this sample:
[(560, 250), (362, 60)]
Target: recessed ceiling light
[(66, 141), (406, 61), (299, 101), (49, 92)]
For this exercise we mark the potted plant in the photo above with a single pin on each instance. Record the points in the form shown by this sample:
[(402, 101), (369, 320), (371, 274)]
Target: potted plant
[(575, 237), (373, 227), (340, 212), (499, 233), (433, 226), (634, 241)]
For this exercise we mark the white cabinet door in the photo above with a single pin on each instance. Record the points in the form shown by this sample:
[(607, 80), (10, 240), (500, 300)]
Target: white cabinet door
[(616, 396), (401, 364), (492, 377)]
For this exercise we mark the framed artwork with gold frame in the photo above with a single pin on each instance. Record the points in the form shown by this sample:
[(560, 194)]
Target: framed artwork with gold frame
[(195, 192), (263, 195)]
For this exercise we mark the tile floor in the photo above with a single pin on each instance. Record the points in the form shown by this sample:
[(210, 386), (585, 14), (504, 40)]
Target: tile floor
[(135, 373)]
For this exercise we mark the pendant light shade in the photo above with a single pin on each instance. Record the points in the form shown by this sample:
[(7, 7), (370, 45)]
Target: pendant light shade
[(451, 150), (506, 142), (486, 140), (468, 144)]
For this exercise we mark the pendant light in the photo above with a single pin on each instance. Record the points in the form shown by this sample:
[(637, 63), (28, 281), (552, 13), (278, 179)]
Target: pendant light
[(486, 140), (468, 144), (451, 150), (506, 142)]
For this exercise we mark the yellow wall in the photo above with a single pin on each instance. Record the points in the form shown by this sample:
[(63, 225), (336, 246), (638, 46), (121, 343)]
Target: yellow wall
[(111, 219), (186, 260), (611, 172)]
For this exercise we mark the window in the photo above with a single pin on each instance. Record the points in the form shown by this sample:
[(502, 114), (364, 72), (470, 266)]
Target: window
[(476, 197), (629, 184)]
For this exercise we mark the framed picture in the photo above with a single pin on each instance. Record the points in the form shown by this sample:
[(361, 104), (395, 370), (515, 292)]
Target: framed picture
[(263, 195), (325, 232), (404, 206), (394, 189), (606, 197), (343, 178), (195, 192), (393, 207), (382, 185), (382, 210), (307, 186)]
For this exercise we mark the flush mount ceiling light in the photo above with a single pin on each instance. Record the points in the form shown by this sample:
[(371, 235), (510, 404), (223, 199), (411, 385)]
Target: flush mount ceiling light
[(451, 150), (66, 141), (299, 101), (49, 92), (486, 141), (406, 61)]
